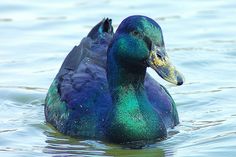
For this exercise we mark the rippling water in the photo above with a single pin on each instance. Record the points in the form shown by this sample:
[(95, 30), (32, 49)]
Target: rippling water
[(200, 36)]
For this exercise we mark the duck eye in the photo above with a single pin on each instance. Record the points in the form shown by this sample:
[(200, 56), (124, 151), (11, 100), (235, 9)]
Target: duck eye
[(135, 33)]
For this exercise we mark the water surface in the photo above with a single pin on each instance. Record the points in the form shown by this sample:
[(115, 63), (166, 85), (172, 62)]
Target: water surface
[(200, 39)]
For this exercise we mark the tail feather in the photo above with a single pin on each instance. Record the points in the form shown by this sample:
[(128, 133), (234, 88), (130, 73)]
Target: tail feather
[(104, 26)]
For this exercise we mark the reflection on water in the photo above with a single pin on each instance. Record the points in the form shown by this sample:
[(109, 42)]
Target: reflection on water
[(64, 145), (200, 38)]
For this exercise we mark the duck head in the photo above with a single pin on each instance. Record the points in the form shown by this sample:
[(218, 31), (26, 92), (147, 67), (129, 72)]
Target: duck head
[(139, 43)]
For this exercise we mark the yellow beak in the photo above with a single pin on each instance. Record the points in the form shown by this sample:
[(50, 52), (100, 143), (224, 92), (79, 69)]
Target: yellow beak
[(159, 61)]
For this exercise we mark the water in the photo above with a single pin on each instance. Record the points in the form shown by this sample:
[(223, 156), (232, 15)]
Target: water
[(200, 38)]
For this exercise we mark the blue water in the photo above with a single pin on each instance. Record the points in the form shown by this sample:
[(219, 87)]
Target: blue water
[(200, 37)]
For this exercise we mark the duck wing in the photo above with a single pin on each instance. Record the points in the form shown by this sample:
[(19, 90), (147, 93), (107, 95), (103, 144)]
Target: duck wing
[(82, 78), (162, 102), (79, 94)]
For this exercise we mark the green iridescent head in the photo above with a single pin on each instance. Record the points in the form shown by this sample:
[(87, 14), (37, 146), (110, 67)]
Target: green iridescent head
[(138, 43)]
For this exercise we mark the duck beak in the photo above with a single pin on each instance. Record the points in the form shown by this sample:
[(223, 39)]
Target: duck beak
[(159, 61)]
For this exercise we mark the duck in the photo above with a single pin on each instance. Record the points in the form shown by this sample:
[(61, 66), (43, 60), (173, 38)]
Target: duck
[(103, 90)]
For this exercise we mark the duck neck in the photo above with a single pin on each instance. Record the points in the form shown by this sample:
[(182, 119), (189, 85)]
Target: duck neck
[(126, 83), (132, 117)]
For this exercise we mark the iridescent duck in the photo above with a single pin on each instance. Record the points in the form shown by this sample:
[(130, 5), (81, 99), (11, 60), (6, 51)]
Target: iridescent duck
[(103, 91)]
